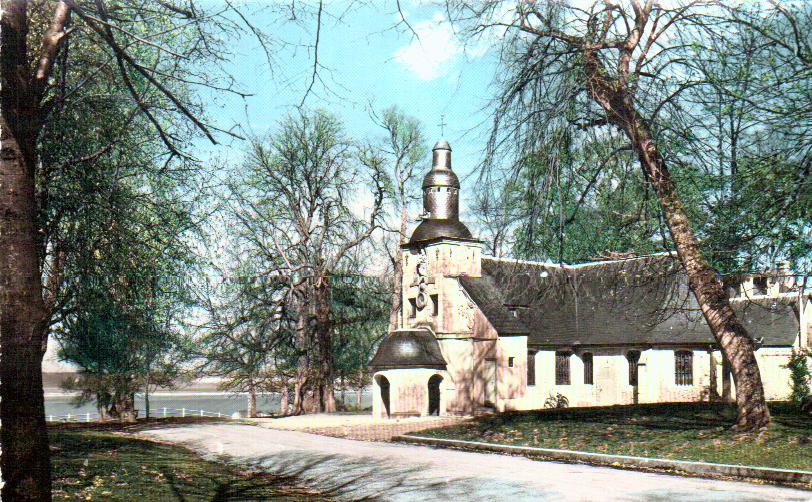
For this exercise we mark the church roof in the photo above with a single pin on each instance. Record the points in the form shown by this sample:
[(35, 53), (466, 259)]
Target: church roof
[(624, 302), (485, 294), (409, 348)]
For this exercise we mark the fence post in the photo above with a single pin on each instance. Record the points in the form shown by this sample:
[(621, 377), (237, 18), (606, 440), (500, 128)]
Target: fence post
[(183, 412)]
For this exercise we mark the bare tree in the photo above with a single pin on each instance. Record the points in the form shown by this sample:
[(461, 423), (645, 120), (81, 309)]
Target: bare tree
[(617, 63), (400, 153), (299, 219)]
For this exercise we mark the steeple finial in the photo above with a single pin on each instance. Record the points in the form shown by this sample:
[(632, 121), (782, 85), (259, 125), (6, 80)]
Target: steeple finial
[(442, 125)]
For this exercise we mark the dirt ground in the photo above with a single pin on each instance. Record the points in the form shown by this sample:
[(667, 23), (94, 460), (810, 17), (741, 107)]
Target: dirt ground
[(355, 426)]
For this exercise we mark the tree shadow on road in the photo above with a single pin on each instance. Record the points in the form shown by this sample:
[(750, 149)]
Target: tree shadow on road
[(342, 477)]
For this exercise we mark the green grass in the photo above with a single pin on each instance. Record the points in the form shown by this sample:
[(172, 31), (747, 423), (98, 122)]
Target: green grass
[(102, 463), (684, 431)]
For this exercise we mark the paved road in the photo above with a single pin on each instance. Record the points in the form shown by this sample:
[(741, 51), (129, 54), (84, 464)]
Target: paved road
[(351, 470)]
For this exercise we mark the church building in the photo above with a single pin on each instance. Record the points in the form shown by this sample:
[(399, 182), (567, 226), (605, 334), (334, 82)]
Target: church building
[(479, 333)]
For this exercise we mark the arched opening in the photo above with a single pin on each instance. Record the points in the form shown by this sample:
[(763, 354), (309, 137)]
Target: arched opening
[(434, 394), (383, 385)]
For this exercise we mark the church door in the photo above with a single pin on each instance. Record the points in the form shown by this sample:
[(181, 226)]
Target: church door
[(383, 384), (434, 394)]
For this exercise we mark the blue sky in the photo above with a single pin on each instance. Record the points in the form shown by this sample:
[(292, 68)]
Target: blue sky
[(370, 62)]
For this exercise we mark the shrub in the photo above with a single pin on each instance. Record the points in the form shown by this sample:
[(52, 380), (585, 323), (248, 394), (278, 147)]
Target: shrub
[(798, 375)]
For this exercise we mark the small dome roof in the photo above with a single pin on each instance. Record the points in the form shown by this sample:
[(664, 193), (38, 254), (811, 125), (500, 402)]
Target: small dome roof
[(442, 145), (409, 348), (435, 229)]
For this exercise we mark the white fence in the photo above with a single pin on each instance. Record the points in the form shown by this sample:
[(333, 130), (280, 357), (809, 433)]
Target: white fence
[(153, 413)]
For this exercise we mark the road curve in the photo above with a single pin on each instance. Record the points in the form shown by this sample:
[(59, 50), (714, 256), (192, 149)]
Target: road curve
[(352, 470)]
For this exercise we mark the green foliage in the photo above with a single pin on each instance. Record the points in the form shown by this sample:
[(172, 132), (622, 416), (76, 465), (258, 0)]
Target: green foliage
[(118, 219), (361, 309), (729, 110), (799, 375)]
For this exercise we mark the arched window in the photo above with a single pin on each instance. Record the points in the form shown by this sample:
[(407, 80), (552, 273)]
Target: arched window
[(633, 356), (684, 367), (562, 368), (588, 371), (531, 367)]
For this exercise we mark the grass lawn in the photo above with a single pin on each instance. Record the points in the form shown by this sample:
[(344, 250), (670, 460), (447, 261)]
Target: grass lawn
[(683, 431), (106, 463)]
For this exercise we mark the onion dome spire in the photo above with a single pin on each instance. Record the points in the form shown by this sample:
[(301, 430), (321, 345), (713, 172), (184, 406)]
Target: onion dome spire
[(441, 200)]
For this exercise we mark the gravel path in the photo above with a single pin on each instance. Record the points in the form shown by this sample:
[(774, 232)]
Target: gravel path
[(352, 470)]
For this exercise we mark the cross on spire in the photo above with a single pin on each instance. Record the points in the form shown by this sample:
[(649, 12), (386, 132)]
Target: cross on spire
[(442, 125)]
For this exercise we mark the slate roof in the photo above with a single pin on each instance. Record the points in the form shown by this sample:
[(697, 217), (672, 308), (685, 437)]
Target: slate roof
[(412, 348), (486, 295), (636, 301)]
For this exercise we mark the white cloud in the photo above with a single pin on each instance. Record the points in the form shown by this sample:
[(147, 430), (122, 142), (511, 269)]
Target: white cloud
[(436, 50)]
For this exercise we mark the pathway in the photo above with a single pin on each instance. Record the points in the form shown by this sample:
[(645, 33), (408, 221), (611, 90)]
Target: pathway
[(352, 470)]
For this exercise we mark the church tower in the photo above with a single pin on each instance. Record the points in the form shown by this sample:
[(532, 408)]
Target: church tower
[(440, 248), (418, 362)]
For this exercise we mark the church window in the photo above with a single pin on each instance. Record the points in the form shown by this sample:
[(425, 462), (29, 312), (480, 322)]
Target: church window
[(435, 305), (531, 368), (510, 362), (412, 308), (633, 356), (562, 368), (684, 367), (760, 285), (588, 371)]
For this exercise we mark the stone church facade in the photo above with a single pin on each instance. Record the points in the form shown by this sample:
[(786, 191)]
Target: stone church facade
[(477, 332)]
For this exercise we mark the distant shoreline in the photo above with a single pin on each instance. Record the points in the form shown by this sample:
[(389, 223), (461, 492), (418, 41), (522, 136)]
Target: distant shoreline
[(163, 393)]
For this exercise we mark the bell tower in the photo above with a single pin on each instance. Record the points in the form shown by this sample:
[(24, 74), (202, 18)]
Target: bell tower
[(440, 249), (441, 201)]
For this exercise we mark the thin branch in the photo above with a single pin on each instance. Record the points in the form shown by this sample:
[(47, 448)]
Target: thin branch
[(315, 54)]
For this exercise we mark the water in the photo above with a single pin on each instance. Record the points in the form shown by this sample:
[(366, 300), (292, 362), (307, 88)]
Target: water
[(215, 402)]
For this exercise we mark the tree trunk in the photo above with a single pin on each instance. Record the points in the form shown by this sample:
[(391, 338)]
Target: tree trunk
[(730, 334), (360, 391), (343, 391), (146, 399), (25, 462), (302, 392), (397, 292), (123, 406), (324, 344), (252, 401), (283, 398), (314, 380)]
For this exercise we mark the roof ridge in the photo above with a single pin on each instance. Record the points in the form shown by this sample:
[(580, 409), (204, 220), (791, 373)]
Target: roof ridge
[(577, 265)]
